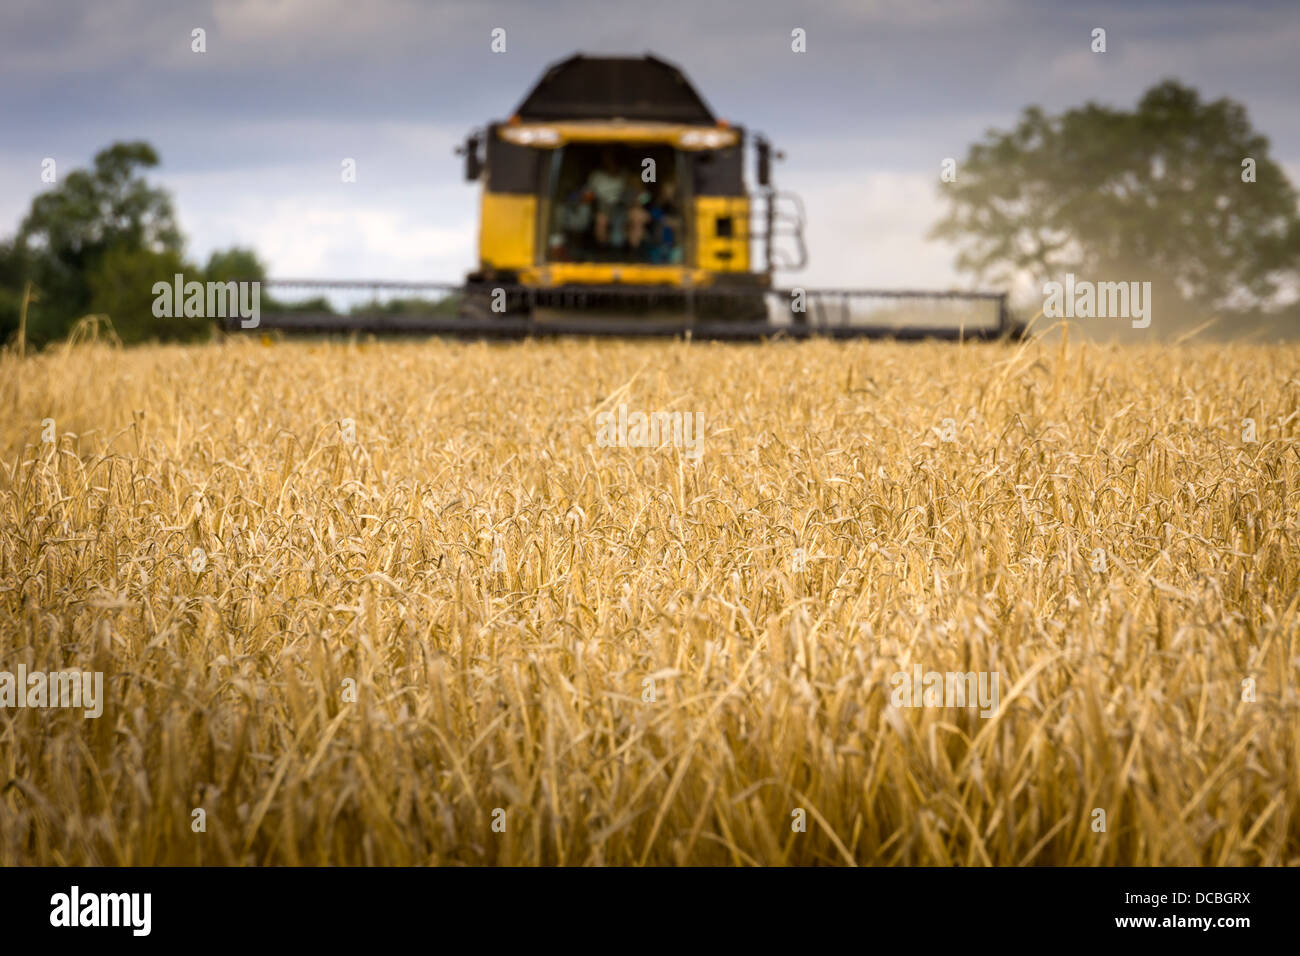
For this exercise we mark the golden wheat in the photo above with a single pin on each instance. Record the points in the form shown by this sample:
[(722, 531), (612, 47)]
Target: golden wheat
[(352, 600)]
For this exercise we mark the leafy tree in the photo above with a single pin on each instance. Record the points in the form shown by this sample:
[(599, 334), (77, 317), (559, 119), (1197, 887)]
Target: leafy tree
[(121, 287), (70, 229), (238, 263), (103, 207), (1156, 194), (14, 269), (233, 265)]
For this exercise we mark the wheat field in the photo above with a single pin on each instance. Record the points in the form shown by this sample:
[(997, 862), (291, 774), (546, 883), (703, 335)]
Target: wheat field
[(391, 603)]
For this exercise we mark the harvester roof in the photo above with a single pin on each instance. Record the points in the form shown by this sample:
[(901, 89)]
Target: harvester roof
[(602, 88)]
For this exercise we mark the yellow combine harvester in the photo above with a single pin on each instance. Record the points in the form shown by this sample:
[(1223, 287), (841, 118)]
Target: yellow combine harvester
[(614, 202), (613, 187)]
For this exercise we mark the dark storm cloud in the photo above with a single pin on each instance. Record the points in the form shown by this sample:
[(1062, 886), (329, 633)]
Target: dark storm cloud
[(128, 61)]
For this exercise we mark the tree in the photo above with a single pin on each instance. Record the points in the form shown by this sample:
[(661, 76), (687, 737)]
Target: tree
[(1158, 194), (237, 264), (121, 287), (70, 229), (14, 269), (234, 265)]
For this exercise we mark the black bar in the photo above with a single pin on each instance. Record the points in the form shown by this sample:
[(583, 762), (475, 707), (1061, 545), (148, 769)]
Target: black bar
[(950, 909)]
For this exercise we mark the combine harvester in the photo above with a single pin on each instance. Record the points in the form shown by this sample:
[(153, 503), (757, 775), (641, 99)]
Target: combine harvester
[(614, 203)]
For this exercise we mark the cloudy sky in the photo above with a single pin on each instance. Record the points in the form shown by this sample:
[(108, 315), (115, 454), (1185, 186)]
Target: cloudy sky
[(252, 133)]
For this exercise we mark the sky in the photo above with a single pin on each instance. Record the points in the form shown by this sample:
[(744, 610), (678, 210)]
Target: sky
[(253, 132)]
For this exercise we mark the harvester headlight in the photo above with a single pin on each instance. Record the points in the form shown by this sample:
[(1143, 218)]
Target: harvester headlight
[(706, 138), (531, 135)]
